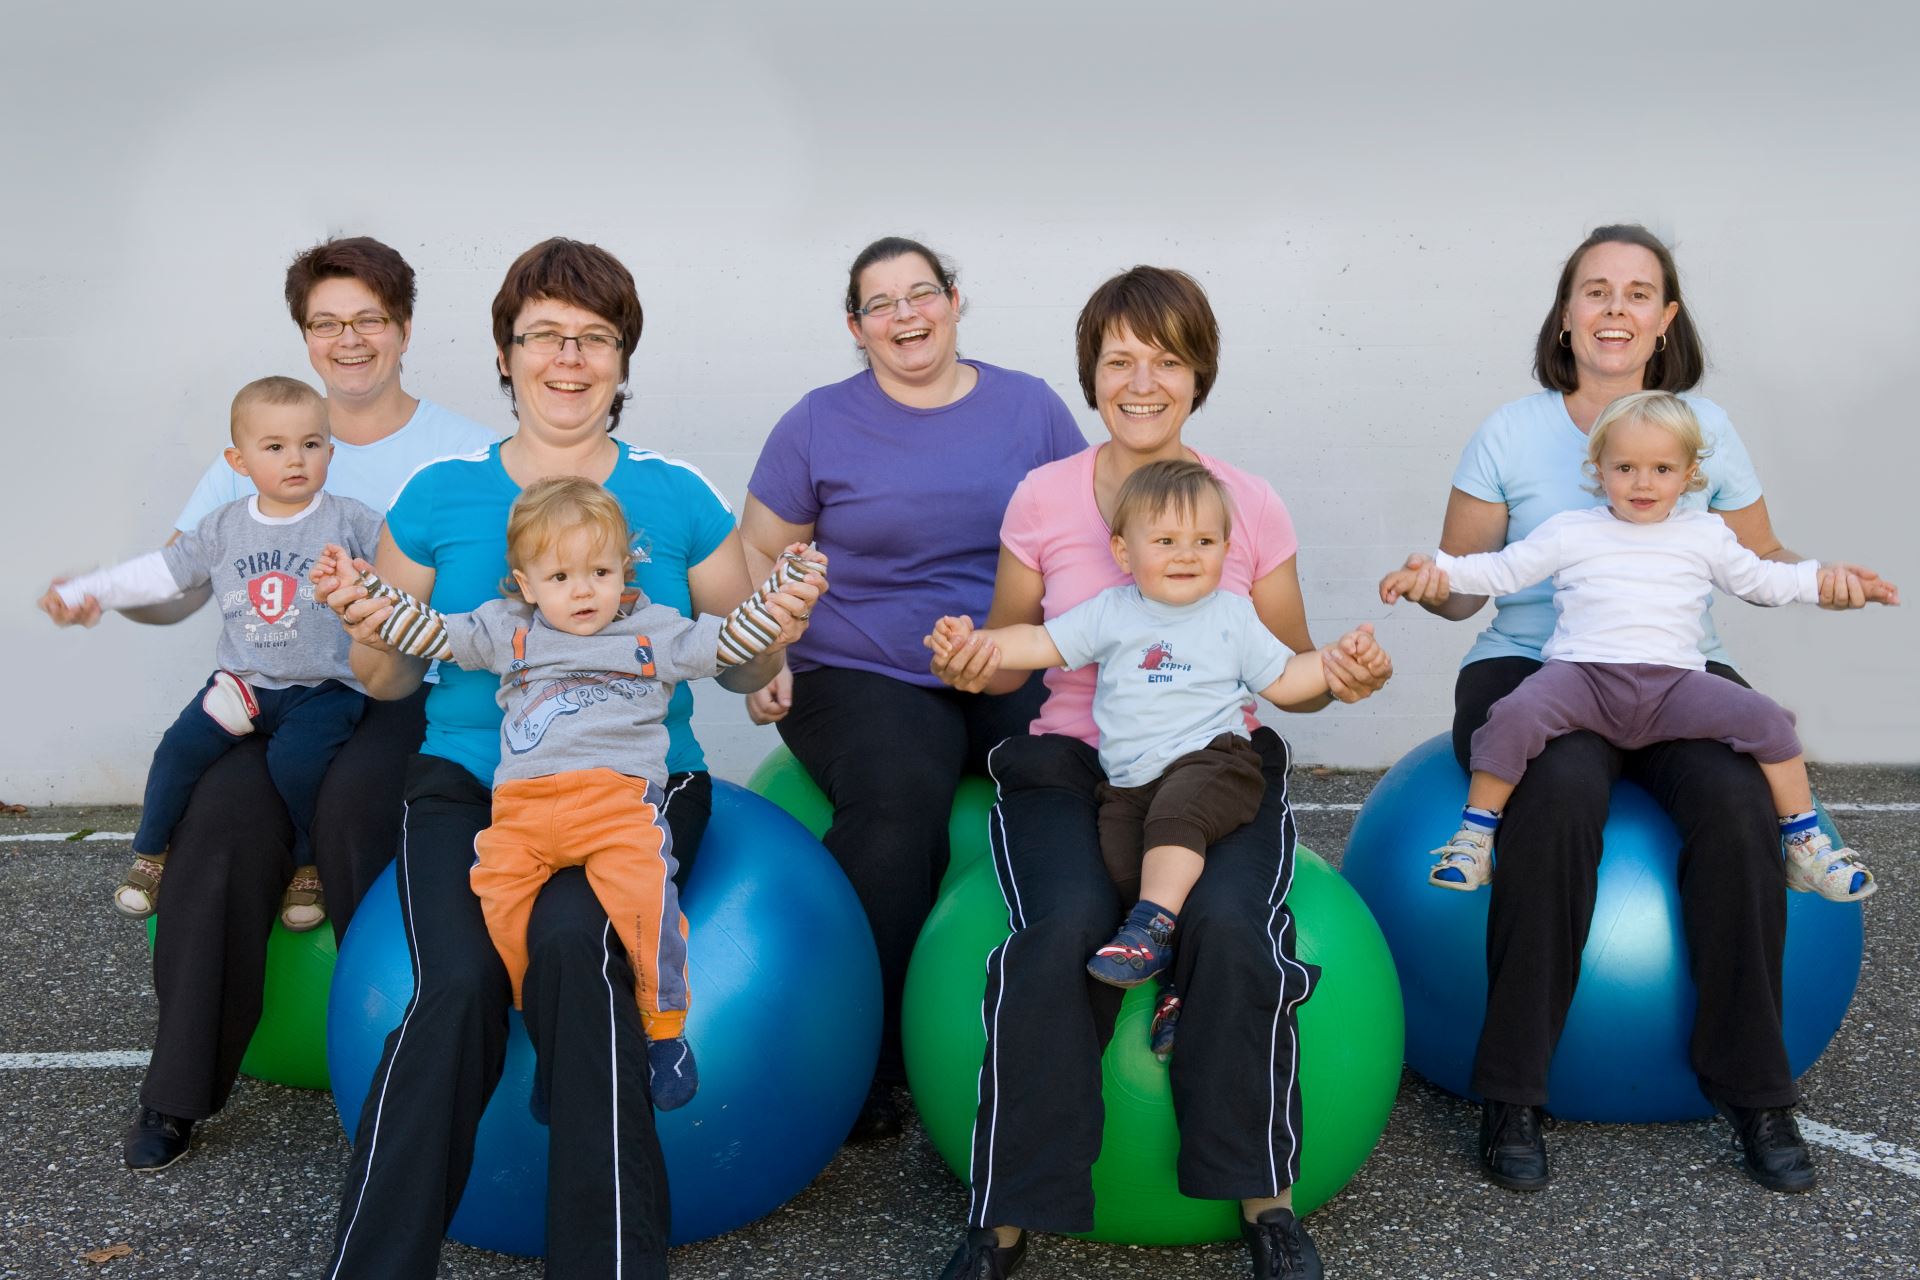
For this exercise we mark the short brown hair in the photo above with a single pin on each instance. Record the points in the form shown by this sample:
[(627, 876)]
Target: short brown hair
[(1159, 305), (886, 249), (550, 508), (1678, 367), (1173, 484), (360, 258), (274, 390), (580, 275)]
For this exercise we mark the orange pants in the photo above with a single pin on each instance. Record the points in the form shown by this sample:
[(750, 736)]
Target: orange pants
[(609, 824)]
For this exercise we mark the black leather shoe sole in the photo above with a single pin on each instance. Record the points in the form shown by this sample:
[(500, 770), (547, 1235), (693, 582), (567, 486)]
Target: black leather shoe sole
[(1513, 1181), (151, 1150), (1791, 1182)]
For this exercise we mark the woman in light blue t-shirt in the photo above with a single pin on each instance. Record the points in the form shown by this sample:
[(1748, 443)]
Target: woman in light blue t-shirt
[(1617, 325)]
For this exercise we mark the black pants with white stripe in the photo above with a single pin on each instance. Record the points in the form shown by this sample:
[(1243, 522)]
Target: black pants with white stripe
[(1731, 899), (233, 856), (607, 1212), (1235, 1070)]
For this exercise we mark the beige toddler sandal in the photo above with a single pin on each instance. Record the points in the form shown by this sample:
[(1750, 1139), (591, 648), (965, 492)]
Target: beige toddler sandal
[(139, 894), (304, 906)]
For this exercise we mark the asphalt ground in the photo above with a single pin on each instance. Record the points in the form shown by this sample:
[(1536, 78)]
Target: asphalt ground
[(257, 1195)]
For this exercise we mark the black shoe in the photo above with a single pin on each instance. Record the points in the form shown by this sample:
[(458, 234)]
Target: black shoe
[(879, 1118), (1281, 1249), (980, 1257), (1512, 1151), (1771, 1148), (156, 1140)]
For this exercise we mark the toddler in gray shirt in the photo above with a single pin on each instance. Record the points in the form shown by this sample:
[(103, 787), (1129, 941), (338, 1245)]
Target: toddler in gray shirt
[(282, 669)]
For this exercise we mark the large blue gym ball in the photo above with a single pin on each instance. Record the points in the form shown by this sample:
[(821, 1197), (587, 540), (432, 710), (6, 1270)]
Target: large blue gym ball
[(1623, 1056), (785, 1021)]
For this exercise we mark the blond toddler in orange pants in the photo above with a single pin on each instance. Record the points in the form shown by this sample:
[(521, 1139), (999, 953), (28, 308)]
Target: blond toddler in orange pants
[(588, 668)]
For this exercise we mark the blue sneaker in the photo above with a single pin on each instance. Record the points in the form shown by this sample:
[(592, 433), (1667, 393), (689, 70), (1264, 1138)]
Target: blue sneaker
[(1136, 953), (674, 1077), (1166, 1021)]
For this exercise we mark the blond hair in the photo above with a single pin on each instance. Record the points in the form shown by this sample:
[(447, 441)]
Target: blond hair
[(1660, 409), (548, 510), (1175, 485), (273, 390)]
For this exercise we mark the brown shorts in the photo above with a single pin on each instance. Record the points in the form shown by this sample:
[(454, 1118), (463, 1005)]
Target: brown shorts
[(1201, 797)]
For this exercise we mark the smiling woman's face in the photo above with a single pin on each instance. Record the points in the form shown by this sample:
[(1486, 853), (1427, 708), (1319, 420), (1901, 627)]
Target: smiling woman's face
[(1615, 311), (564, 394), (354, 366), (908, 345), (1143, 394)]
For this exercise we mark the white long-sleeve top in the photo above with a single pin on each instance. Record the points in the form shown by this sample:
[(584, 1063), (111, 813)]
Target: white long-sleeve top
[(1626, 592)]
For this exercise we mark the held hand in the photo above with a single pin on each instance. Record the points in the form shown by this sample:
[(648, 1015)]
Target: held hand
[(1852, 586), (791, 606), (807, 557), (771, 704), (84, 614), (1356, 666), (1419, 582), (331, 571), (359, 614), (970, 660)]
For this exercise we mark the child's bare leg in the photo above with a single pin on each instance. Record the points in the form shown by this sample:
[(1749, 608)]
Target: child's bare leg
[(1466, 860), (1813, 864), (1168, 873), (1143, 947)]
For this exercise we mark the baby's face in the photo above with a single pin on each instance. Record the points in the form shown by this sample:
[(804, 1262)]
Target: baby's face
[(576, 583), (284, 449), (1644, 471), (1176, 557)]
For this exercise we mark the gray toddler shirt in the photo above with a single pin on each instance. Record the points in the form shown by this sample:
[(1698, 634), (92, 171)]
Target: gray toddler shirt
[(274, 635), (584, 702)]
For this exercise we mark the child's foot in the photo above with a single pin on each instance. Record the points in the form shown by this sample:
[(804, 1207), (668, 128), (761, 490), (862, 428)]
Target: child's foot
[(230, 703), (139, 894), (1142, 948), (675, 1078), (304, 905), (1815, 866), (1466, 861), (1166, 1020)]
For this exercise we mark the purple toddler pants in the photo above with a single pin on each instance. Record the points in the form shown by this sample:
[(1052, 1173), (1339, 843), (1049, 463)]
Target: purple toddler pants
[(1631, 705)]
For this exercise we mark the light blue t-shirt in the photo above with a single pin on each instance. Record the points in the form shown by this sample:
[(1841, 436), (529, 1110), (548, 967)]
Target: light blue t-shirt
[(369, 473), (1529, 456), (452, 518), (1172, 677)]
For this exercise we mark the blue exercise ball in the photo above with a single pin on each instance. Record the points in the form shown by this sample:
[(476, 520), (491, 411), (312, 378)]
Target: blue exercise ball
[(1623, 1056), (785, 1021)]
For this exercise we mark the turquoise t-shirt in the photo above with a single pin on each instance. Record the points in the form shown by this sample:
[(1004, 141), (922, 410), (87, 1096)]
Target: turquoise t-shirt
[(369, 473), (452, 518), (1529, 456)]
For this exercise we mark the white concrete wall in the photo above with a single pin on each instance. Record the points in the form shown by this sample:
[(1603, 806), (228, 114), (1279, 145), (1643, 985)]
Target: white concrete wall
[(1378, 197)]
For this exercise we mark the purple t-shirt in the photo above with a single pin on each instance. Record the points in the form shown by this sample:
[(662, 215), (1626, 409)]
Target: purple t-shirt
[(907, 504)]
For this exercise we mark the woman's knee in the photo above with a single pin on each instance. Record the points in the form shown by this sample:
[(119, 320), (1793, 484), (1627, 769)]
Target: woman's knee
[(1570, 781)]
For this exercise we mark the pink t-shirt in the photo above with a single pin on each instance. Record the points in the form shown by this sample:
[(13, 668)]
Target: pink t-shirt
[(1053, 526)]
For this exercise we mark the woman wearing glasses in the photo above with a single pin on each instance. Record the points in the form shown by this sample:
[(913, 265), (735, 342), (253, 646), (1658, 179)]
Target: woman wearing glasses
[(564, 322), (353, 300), (901, 474)]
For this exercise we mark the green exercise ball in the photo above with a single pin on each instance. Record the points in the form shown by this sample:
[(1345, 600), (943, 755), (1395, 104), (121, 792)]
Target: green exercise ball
[(785, 781), (289, 1045), (1351, 1034)]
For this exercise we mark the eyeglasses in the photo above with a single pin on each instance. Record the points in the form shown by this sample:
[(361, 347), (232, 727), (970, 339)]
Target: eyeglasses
[(365, 326), (920, 298), (547, 342)]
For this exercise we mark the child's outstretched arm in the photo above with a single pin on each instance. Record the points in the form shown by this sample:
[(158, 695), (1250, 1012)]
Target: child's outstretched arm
[(776, 613), (143, 580), (1024, 646)]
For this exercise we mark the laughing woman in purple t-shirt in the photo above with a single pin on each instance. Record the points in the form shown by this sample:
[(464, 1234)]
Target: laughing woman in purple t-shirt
[(901, 474)]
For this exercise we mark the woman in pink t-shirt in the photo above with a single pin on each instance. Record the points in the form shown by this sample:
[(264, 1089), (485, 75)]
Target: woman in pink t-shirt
[(1148, 352)]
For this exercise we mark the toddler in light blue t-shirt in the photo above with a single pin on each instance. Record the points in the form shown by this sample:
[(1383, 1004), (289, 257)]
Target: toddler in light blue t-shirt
[(1179, 663)]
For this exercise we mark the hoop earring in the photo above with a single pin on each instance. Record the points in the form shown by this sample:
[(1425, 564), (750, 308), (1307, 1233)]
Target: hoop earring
[(1564, 335), (1659, 342)]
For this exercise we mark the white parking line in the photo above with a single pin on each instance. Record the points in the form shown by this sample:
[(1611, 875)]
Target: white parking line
[(73, 1061), (1864, 1145)]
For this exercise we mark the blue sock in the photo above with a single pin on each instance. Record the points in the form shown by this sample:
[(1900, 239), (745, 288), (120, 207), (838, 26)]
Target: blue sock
[(672, 1073), (1799, 825), (1480, 820)]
